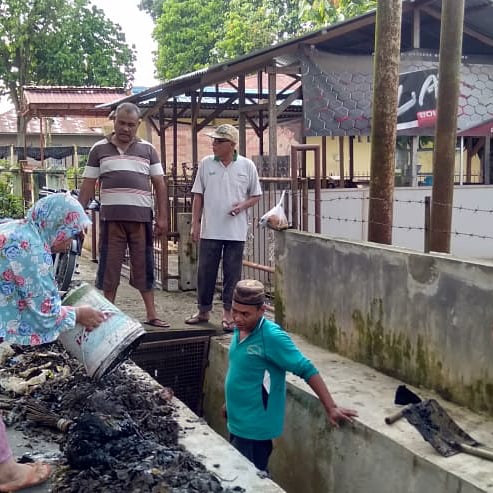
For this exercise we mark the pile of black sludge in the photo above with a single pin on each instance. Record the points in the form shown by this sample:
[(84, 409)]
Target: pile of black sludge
[(124, 437)]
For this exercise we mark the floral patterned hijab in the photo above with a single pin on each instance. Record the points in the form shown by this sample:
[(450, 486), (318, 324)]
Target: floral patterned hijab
[(57, 217), (31, 311)]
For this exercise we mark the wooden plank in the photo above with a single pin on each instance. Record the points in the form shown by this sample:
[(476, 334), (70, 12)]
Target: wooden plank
[(287, 102)]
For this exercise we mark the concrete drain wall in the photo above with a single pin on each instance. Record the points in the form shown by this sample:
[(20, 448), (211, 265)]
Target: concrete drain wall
[(368, 456), (217, 455)]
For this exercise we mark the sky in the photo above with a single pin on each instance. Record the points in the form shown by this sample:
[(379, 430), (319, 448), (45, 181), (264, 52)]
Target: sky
[(137, 26)]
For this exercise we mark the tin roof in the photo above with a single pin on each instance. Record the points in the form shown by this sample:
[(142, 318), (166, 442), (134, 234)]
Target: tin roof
[(66, 100), (353, 36), (58, 125)]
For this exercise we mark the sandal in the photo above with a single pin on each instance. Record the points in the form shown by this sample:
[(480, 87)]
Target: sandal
[(156, 322), (227, 326), (39, 473), (195, 319)]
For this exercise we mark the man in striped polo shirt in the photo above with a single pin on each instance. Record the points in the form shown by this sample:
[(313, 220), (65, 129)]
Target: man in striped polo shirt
[(125, 165)]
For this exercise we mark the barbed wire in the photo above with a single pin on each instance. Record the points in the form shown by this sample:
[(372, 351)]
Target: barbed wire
[(401, 227), (405, 201)]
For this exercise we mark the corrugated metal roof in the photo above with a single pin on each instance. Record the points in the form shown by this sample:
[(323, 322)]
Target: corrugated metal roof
[(71, 95), (354, 35), (60, 126)]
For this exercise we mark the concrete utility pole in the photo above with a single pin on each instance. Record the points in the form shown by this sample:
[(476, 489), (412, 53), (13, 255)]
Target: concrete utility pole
[(452, 24), (384, 119)]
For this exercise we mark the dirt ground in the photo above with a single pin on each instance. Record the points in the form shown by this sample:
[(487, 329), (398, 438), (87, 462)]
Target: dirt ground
[(173, 306)]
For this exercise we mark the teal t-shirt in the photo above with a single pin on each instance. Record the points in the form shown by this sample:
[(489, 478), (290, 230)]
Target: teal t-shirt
[(255, 384)]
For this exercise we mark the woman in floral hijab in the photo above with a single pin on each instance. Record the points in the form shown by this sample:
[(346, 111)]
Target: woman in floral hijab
[(31, 311)]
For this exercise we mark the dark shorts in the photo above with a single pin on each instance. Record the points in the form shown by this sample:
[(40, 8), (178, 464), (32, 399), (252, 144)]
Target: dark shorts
[(256, 451), (114, 238)]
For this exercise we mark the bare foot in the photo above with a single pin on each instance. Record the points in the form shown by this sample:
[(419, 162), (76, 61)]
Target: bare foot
[(17, 477)]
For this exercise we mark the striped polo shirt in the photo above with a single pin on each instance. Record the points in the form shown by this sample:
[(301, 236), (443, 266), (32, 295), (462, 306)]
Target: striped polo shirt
[(124, 177)]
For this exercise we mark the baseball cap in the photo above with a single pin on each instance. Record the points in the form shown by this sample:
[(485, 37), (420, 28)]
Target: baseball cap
[(225, 131), (249, 292)]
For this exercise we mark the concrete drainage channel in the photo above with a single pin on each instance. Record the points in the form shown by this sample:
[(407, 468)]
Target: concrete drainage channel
[(129, 433)]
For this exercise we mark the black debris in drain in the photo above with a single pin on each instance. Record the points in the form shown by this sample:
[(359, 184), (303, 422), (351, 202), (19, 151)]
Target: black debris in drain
[(124, 437)]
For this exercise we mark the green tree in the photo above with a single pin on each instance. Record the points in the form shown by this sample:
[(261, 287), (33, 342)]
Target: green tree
[(318, 13), (249, 26), (187, 33), (192, 34), (153, 7), (10, 205), (62, 42)]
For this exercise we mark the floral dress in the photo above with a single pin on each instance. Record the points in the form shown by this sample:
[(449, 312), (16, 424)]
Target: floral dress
[(31, 312)]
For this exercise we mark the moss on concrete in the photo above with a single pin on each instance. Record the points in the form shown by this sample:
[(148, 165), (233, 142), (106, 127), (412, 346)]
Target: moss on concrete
[(395, 353), (478, 395)]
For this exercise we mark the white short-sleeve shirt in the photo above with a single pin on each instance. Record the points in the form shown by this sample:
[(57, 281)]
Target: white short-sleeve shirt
[(222, 187)]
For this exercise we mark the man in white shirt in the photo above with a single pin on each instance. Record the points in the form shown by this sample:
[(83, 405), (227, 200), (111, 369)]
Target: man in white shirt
[(226, 186)]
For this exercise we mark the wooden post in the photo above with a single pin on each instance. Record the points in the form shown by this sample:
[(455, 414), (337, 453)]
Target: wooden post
[(427, 223), (414, 161), (341, 162), (468, 159), (318, 215), (452, 24), (486, 160), (304, 203), (294, 187), (351, 158), (41, 143), (175, 134), (414, 138), (384, 131), (324, 161), (195, 152), (260, 113), (272, 122), (164, 243), (461, 161), (242, 117), (162, 138)]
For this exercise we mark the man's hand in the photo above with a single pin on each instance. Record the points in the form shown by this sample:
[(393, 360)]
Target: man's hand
[(335, 414), (89, 317), (338, 415), (159, 226), (237, 208), (195, 232)]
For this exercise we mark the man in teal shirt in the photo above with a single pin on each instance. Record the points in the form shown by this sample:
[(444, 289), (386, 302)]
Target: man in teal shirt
[(259, 355)]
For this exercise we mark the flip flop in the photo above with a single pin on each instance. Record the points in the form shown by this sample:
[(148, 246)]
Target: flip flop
[(227, 326), (156, 322), (38, 474), (195, 319)]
